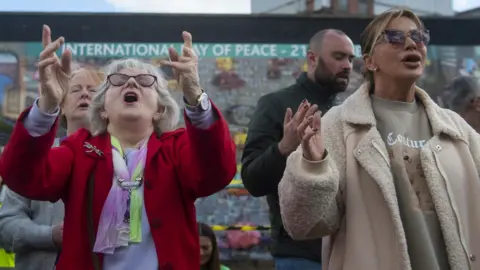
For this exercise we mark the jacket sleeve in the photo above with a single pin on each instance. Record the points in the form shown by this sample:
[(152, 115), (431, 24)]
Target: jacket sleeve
[(18, 233), (262, 162), (206, 157), (310, 193), (473, 138), (31, 168)]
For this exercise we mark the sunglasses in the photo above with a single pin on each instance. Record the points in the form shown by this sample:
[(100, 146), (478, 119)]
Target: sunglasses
[(120, 79), (397, 37)]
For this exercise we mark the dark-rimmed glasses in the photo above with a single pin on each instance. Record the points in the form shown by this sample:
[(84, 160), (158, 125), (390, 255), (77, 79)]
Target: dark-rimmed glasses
[(120, 79), (397, 37)]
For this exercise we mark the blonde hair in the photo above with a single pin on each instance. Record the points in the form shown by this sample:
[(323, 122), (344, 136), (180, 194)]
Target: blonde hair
[(96, 76), (170, 115), (375, 29)]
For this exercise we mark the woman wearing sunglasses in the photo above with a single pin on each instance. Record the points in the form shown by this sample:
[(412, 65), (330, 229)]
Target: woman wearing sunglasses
[(129, 183), (390, 179)]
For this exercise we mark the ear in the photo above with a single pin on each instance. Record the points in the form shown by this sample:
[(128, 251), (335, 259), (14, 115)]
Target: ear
[(311, 59), (104, 115), (159, 114), (369, 62)]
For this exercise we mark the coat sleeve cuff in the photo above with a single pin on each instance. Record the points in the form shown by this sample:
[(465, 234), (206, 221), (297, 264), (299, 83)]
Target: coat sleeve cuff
[(38, 123), (315, 166)]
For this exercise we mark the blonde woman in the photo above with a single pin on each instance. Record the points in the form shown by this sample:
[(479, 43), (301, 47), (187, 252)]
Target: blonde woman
[(389, 178), (129, 181)]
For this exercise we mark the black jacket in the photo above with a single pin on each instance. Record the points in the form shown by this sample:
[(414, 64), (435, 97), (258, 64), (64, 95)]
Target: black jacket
[(263, 165)]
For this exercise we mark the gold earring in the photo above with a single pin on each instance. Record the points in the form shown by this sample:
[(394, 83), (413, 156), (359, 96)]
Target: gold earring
[(374, 69)]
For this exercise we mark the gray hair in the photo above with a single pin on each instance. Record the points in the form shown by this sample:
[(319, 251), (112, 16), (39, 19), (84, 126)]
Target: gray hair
[(170, 115), (462, 91)]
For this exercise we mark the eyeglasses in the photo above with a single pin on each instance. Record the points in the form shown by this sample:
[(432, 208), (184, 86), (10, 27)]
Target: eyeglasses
[(119, 79), (397, 37)]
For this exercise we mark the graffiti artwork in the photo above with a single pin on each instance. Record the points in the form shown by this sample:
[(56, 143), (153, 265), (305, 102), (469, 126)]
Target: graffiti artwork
[(235, 76)]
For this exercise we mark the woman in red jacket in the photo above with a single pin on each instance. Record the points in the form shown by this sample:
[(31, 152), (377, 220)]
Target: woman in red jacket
[(129, 182)]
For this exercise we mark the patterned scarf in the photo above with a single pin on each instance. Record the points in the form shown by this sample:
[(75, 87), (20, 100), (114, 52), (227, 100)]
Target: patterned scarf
[(114, 230)]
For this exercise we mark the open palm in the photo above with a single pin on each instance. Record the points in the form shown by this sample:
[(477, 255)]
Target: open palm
[(312, 141), (53, 73), (185, 68), (313, 148)]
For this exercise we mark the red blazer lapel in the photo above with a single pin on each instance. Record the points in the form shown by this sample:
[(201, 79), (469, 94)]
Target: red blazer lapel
[(99, 150)]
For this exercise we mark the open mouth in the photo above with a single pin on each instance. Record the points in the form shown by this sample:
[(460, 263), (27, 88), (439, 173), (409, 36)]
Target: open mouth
[(130, 97), (411, 58), (83, 105)]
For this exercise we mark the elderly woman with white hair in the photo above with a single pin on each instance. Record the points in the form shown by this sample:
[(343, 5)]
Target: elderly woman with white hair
[(130, 181)]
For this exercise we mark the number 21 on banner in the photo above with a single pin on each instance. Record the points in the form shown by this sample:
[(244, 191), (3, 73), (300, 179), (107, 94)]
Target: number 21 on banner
[(298, 50)]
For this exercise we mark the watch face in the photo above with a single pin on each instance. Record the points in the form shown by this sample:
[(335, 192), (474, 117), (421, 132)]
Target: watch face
[(204, 102)]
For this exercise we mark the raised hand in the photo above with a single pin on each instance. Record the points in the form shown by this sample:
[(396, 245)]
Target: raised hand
[(53, 73), (291, 140), (311, 137), (185, 69)]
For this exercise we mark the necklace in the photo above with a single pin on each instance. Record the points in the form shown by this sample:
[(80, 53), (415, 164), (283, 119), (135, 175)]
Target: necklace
[(130, 185)]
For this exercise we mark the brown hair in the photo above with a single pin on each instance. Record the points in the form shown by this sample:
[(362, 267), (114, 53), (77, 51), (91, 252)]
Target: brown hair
[(94, 74), (374, 30), (214, 262)]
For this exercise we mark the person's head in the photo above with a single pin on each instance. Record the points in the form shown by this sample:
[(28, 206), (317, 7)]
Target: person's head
[(394, 48), (82, 86), (209, 257), (330, 57), (465, 99), (134, 97)]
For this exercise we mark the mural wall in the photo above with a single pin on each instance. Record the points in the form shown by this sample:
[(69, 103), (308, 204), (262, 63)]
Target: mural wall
[(234, 76)]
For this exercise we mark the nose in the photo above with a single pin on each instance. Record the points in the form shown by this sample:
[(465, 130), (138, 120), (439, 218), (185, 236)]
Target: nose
[(347, 65), (131, 82), (410, 44), (86, 93)]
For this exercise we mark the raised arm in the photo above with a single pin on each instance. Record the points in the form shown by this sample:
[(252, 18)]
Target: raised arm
[(270, 141), (310, 190), (206, 155), (28, 165)]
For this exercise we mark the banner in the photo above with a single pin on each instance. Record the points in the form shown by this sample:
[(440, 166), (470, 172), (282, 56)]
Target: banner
[(154, 50)]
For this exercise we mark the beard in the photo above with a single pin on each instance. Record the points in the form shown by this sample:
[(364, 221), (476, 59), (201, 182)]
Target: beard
[(335, 82)]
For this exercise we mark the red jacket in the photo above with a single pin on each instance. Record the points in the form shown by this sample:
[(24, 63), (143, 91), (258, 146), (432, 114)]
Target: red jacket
[(181, 166)]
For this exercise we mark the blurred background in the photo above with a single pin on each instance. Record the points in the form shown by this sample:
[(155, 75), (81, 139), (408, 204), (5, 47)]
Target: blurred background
[(258, 50)]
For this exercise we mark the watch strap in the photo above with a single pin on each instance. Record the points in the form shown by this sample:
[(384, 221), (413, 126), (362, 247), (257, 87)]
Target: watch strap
[(198, 107)]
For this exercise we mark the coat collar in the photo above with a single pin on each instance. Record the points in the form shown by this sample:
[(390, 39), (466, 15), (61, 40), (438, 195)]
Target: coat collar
[(357, 110), (100, 147)]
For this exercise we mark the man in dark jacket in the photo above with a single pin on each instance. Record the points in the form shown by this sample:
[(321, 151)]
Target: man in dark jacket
[(268, 144)]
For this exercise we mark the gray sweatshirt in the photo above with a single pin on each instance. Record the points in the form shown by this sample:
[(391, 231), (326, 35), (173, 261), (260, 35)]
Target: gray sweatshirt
[(26, 230)]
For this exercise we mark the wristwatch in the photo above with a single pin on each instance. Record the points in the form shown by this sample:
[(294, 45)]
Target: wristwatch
[(203, 103)]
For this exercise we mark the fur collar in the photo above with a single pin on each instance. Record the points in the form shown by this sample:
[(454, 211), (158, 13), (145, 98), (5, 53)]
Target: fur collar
[(357, 110)]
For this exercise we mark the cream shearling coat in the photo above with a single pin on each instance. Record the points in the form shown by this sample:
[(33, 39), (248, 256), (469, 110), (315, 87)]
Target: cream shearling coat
[(349, 197)]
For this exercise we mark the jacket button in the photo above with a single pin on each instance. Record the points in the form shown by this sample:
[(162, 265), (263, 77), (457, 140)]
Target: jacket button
[(167, 266), (156, 223), (472, 257), (148, 185)]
